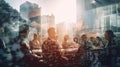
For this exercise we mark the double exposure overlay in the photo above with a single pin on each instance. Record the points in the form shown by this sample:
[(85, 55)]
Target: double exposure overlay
[(59, 33)]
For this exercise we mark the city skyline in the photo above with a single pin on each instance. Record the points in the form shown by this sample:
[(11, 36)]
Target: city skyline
[(61, 11)]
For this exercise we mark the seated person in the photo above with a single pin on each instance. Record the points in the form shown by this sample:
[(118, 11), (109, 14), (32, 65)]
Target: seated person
[(65, 43), (51, 50), (35, 43)]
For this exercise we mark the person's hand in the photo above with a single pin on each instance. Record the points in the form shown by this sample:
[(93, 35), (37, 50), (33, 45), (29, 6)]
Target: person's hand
[(36, 56), (65, 58)]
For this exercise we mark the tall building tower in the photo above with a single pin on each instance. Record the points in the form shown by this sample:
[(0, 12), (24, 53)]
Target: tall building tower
[(32, 13), (100, 15), (46, 22), (64, 28), (25, 9), (80, 9), (51, 20)]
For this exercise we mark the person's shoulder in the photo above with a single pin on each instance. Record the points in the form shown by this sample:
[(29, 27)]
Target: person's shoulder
[(88, 42), (46, 41)]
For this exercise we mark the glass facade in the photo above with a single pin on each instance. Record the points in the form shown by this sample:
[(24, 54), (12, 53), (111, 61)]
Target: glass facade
[(108, 18), (102, 15)]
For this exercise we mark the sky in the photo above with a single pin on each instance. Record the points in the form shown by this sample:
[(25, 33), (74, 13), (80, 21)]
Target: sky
[(63, 10)]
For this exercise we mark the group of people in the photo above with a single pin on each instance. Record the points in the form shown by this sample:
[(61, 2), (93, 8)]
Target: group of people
[(105, 51), (52, 56)]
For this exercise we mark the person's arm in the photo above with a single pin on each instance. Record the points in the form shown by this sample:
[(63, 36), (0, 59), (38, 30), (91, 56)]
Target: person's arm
[(101, 44), (31, 45), (64, 45)]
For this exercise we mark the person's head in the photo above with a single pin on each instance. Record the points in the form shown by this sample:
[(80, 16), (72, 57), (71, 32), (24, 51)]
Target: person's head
[(52, 33), (24, 33), (24, 30), (66, 37), (75, 39), (84, 37), (35, 36), (98, 39), (109, 35), (92, 39)]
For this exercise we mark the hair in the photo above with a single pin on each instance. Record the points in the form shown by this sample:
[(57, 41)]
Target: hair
[(99, 38), (110, 33), (75, 38), (51, 28), (35, 34), (23, 28), (83, 35), (91, 37)]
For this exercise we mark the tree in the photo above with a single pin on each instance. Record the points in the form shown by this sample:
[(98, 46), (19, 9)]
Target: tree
[(7, 13)]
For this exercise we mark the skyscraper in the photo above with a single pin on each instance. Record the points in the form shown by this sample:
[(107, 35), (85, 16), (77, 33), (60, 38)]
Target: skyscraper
[(100, 15), (32, 13), (25, 9), (46, 22)]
